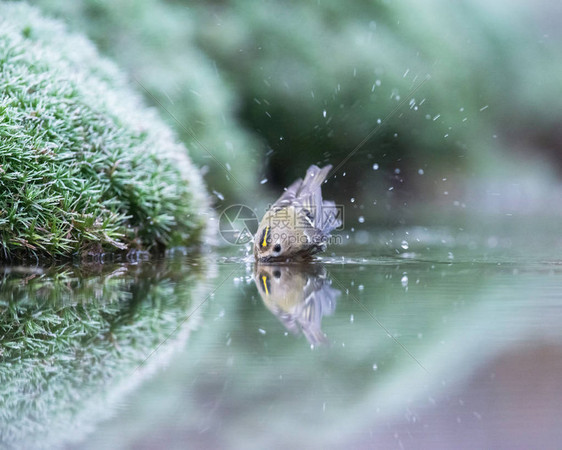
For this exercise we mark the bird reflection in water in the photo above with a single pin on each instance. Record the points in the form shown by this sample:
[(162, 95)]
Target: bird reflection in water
[(299, 295)]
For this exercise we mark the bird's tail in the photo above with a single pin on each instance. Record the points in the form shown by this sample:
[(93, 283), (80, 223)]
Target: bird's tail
[(313, 180)]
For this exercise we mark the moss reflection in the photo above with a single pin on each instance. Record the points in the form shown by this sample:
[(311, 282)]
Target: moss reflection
[(74, 340)]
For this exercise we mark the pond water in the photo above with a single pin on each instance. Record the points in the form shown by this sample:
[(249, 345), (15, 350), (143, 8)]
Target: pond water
[(452, 342)]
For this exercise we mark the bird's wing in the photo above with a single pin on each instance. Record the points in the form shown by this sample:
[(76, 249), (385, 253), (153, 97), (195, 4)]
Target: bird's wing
[(307, 194), (331, 217)]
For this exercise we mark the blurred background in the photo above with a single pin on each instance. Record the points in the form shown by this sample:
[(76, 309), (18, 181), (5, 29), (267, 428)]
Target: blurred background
[(439, 337), (463, 99)]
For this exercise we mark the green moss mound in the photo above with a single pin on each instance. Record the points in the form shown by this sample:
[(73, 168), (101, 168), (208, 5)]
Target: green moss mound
[(84, 165)]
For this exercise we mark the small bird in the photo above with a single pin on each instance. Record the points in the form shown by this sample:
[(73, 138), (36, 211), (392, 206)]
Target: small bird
[(298, 224), (299, 295)]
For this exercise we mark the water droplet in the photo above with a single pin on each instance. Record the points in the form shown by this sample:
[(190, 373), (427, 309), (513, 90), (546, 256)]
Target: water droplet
[(324, 113), (219, 195), (375, 166), (404, 280), (420, 171), (404, 244), (352, 200), (262, 331), (361, 219), (263, 181), (375, 367)]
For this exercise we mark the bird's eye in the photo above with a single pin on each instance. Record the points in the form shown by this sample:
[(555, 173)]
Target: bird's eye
[(277, 248), (277, 274)]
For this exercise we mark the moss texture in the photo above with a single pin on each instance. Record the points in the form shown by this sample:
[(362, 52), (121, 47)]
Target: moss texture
[(84, 165)]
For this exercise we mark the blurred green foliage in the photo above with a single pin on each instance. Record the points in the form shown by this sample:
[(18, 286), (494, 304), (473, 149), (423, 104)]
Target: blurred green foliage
[(312, 79), (84, 166)]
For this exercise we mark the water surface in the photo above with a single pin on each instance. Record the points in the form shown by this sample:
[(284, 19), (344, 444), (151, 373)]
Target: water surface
[(442, 344)]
